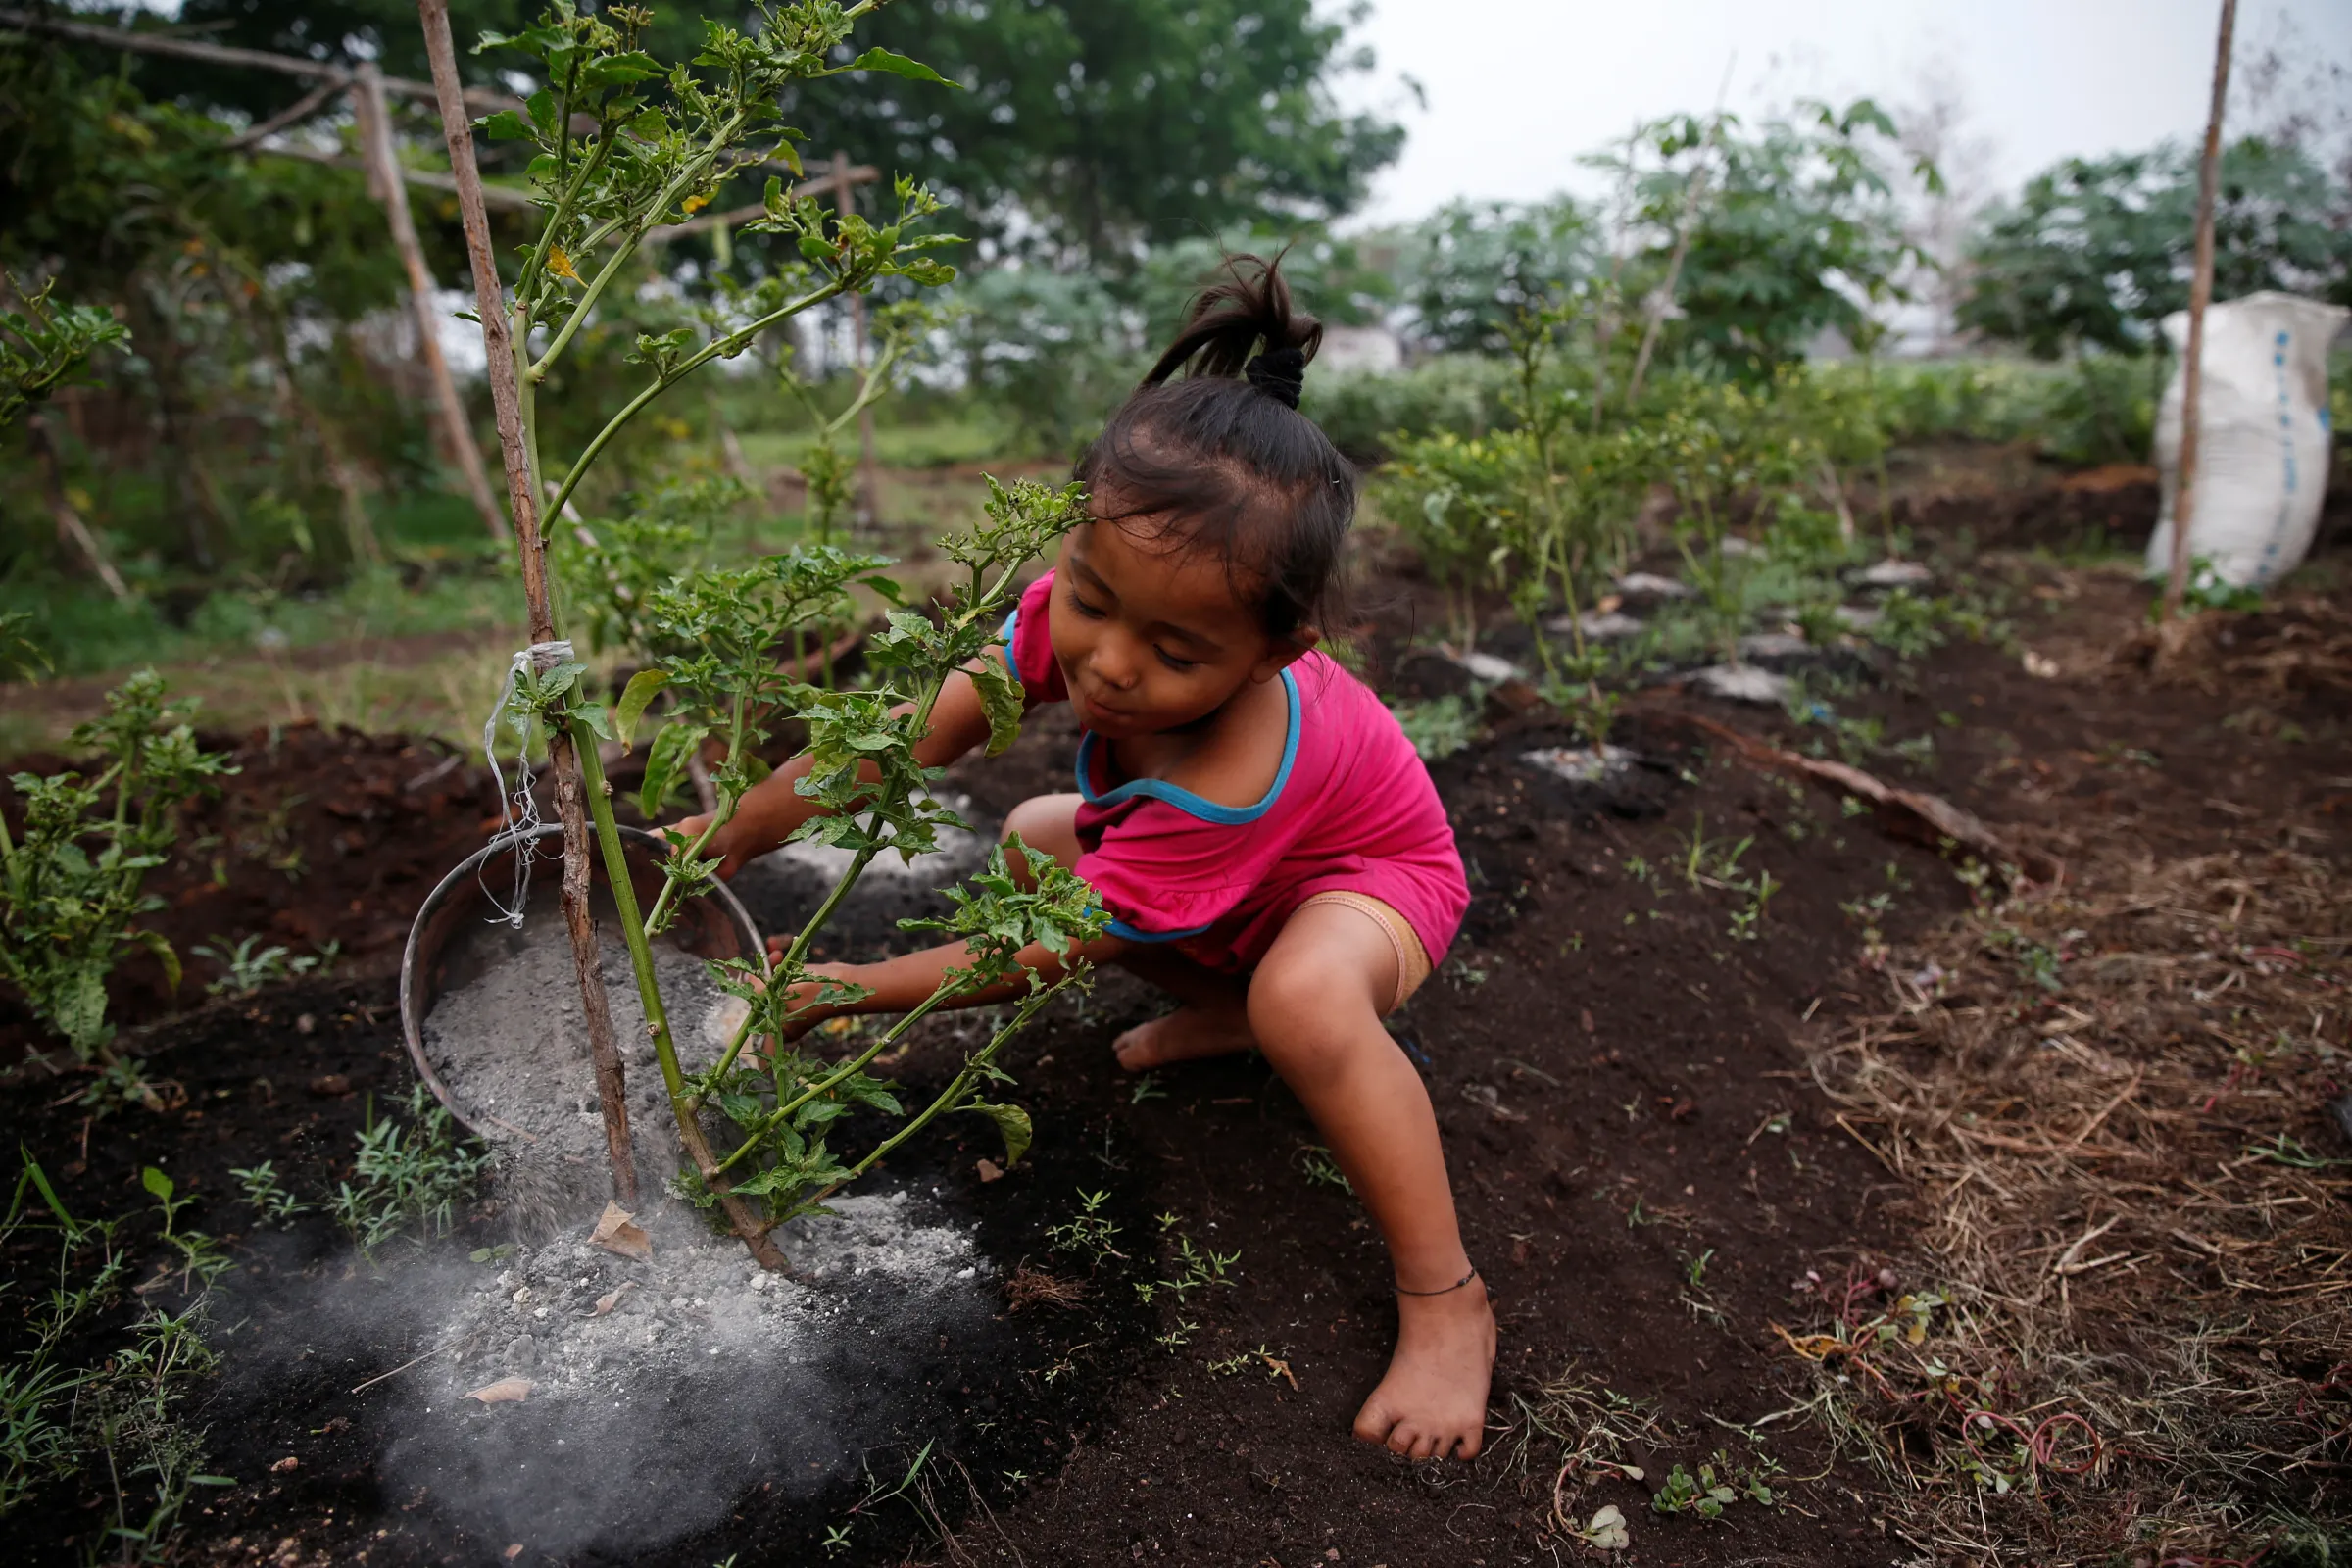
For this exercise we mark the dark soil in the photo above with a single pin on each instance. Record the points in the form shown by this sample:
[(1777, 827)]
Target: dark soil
[(1646, 1171)]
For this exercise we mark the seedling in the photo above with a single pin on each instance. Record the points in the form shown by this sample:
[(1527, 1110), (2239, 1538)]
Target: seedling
[(1438, 727), (1195, 1268), (270, 1201), (407, 1180), (1321, 1169), (250, 967), (112, 1422), (1089, 1231), (72, 890)]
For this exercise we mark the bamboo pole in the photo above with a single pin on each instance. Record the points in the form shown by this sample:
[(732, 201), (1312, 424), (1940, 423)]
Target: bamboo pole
[(2200, 295), (383, 174), (506, 397)]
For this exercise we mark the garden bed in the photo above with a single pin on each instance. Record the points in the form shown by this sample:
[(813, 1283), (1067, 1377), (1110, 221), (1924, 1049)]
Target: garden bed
[(1626, 1076)]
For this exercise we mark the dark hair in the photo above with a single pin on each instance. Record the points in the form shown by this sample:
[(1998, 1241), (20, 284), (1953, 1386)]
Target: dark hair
[(1222, 460)]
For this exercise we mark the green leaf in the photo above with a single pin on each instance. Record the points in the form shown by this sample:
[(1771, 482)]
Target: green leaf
[(505, 126), (159, 1185), (898, 65), (1012, 1121), (594, 717), (666, 764), (156, 943), (619, 70), (1001, 698), (642, 688)]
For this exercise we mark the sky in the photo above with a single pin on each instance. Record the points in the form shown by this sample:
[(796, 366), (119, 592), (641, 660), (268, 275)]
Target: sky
[(1517, 88)]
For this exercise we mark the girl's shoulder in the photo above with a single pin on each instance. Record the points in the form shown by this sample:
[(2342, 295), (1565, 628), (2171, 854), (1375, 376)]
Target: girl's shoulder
[(1028, 639)]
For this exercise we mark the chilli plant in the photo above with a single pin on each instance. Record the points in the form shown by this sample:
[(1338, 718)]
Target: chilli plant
[(73, 877), (623, 145)]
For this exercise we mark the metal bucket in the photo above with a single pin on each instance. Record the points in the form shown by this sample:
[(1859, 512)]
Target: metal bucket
[(439, 954)]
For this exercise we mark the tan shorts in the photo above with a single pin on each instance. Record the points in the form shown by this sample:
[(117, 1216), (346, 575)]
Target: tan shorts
[(1412, 960)]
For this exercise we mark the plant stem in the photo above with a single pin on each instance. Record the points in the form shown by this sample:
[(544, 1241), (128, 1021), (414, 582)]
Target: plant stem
[(657, 1020), (685, 368), (980, 1058), (841, 1074)]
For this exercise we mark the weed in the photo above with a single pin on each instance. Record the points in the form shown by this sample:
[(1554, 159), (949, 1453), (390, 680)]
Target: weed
[(1147, 1087), (272, 1201), (409, 1178), (200, 1256), (1177, 1338), (1909, 626), (72, 892), (248, 968), (1639, 868), (1322, 1171), (1438, 726), (1198, 1269), (1089, 1231), (116, 1422), (1919, 752), (1746, 922)]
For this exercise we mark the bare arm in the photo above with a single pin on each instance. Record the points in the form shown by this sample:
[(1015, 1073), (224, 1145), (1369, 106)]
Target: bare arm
[(772, 809), (900, 984)]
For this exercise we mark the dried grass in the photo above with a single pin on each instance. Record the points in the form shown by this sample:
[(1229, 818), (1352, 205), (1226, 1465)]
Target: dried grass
[(2113, 1105), (2302, 642)]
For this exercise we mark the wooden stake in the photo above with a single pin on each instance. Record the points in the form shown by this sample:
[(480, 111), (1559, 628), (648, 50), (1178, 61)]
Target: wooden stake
[(387, 186), (505, 396), (2200, 295)]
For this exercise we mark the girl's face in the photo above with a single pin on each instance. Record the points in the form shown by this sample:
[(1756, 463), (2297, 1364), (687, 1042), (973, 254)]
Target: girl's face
[(1150, 635)]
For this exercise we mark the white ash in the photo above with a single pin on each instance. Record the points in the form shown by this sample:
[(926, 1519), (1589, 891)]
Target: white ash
[(1599, 627), (1896, 574), (706, 1381), (1582, 764), (1743, 683), (699, 1298), (512, 1047)]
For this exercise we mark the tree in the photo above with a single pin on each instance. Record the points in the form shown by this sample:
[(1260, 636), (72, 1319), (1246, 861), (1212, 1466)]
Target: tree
[(1479, 266), (2097, 252), (1796, 231), (1081, 128)]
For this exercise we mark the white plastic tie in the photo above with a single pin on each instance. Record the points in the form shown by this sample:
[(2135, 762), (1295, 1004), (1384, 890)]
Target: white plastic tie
[(519, 810)]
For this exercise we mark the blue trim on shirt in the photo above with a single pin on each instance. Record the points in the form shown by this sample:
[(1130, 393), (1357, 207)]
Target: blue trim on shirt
[(1185, 800), (1005, 636), (1120, 928)]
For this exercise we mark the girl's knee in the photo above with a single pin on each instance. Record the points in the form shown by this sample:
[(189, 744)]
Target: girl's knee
[(1310, 1018), (1045, 822)]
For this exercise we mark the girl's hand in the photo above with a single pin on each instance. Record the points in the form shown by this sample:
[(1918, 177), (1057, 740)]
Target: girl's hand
[(807, 992)]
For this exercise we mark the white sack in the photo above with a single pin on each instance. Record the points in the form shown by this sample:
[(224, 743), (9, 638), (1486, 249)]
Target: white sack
[(2262, 437)]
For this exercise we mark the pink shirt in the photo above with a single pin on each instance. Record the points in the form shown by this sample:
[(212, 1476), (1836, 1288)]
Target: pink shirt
[(1352, 809)]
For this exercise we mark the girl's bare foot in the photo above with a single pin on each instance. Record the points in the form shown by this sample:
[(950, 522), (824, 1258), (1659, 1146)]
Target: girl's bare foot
[(1433, 1400), (1191, 1032)]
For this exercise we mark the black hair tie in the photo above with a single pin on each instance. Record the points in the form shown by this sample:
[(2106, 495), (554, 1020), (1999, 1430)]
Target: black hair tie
[(1280, 374)]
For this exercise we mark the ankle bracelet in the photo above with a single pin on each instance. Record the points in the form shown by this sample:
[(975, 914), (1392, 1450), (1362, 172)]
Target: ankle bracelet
[(1446, 1290)]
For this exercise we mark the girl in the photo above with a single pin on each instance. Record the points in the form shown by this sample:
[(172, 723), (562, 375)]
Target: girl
[(1269, 844)]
